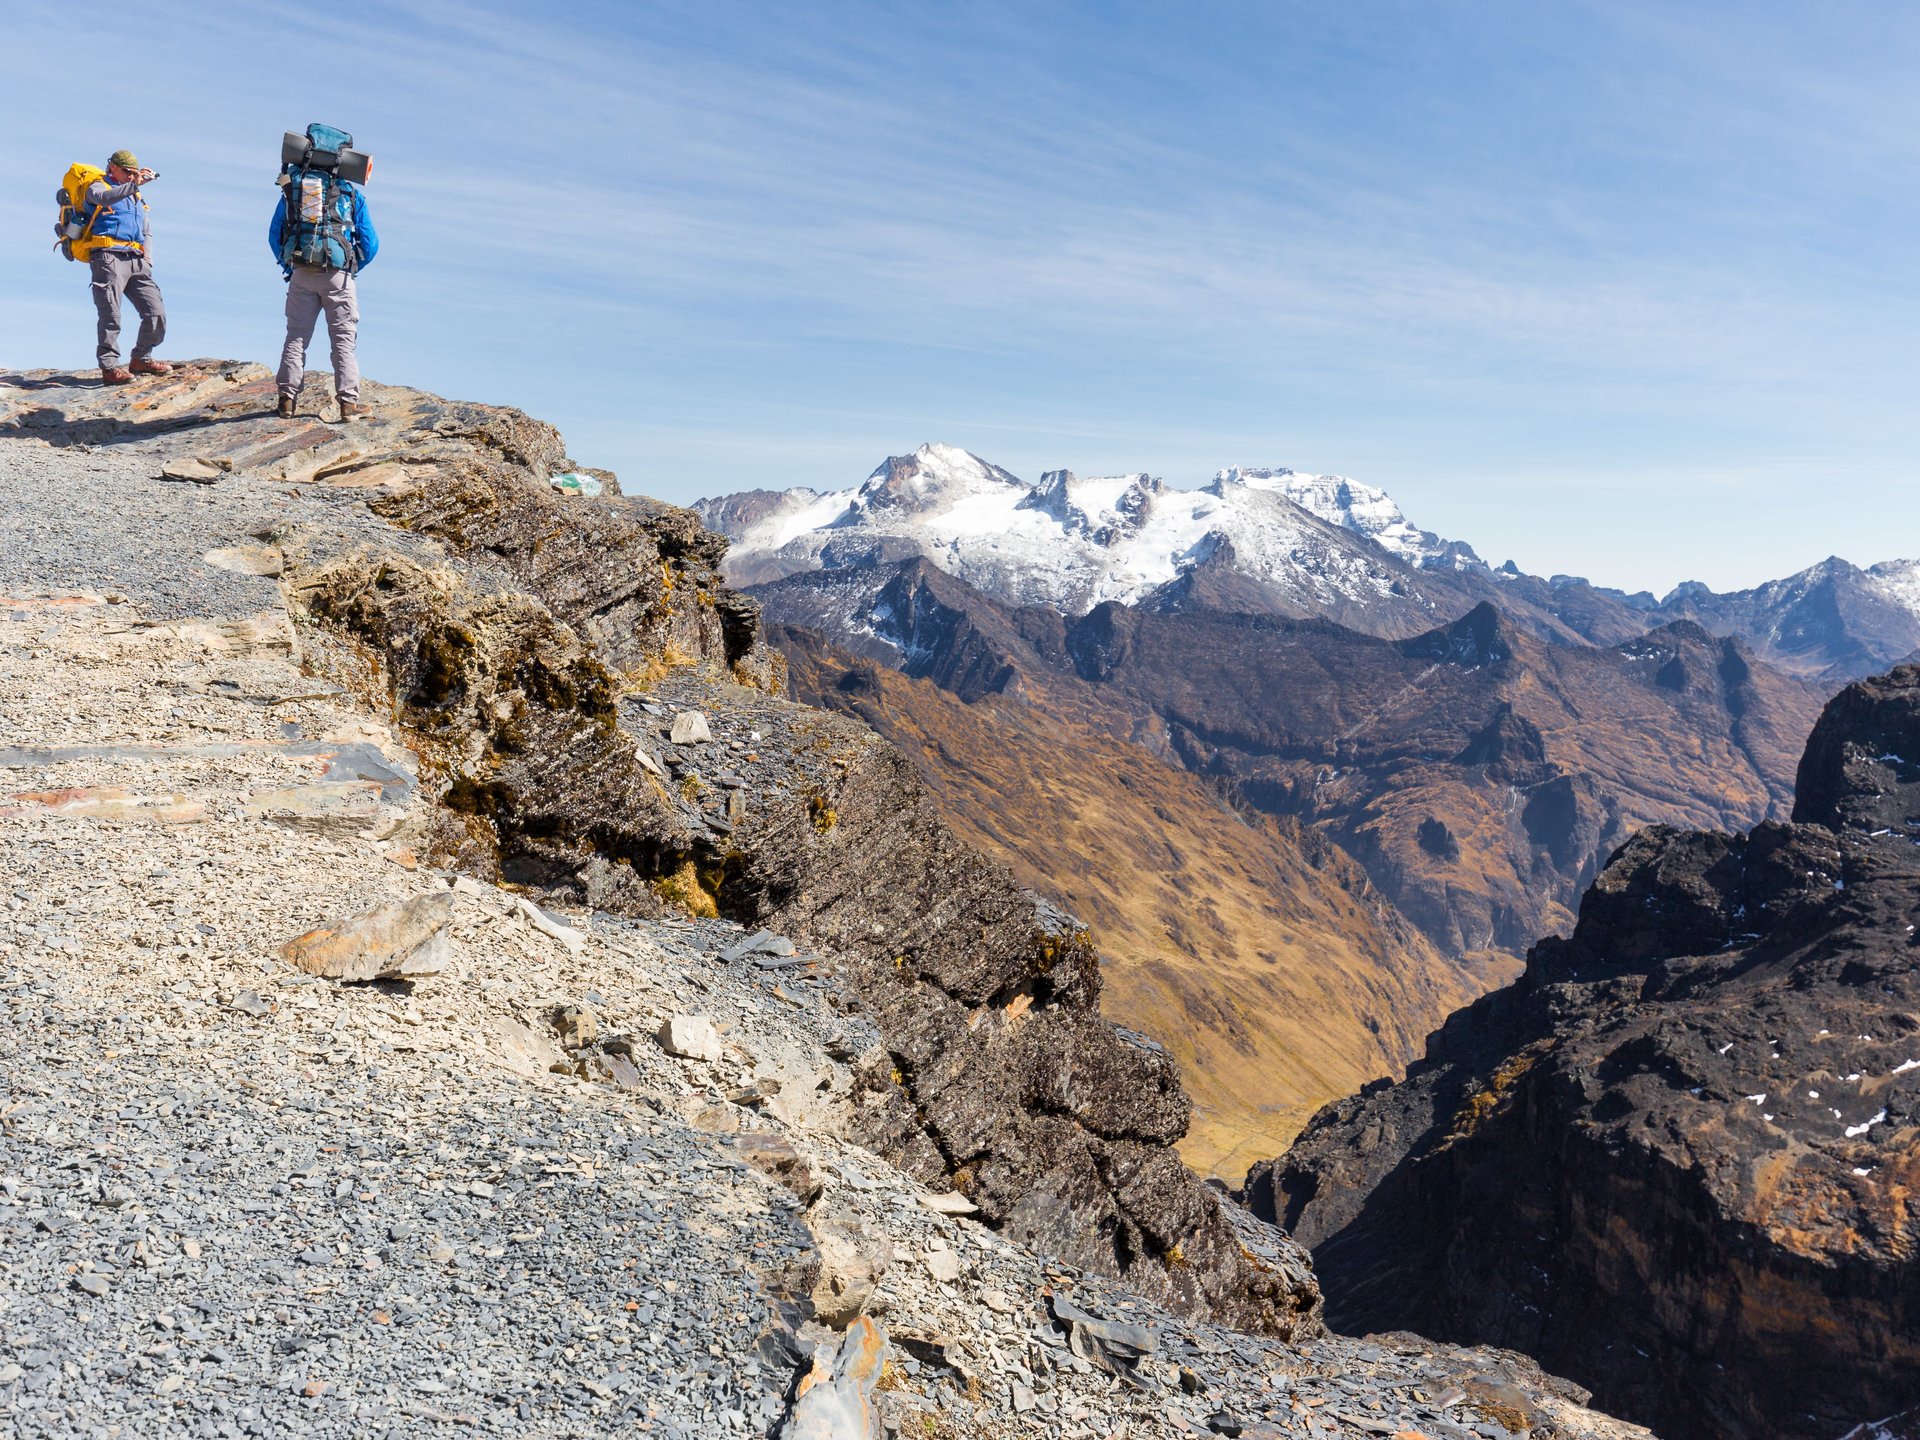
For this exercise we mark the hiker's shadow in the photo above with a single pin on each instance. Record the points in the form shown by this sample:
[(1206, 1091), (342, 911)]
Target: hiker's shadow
[(51, 423)]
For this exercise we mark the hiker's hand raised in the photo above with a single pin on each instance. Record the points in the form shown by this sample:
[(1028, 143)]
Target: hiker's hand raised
[(144, 176)]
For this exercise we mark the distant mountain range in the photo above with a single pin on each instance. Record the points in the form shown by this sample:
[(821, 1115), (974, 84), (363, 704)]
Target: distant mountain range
[(1281, 543), (1479, 773), (1159, 706)]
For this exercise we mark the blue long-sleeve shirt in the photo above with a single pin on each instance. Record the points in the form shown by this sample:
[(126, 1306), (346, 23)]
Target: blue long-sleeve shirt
[(106, 196), (366, 243)]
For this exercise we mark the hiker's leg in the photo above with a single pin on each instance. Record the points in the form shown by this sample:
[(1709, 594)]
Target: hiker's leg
[(145, 295), (109, 279), (343, 325), (303, 310)]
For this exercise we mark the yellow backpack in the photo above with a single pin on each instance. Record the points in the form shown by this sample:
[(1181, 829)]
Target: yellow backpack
[(74, 229)]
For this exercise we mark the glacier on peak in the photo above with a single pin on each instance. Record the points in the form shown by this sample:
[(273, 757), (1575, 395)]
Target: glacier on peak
[(1364, 509), (935, 479), (1072, 542)]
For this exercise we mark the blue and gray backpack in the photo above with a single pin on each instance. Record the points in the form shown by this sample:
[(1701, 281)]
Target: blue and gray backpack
[(318, 232)]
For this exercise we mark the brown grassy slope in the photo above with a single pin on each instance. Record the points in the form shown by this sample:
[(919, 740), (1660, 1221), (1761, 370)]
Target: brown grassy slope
[(1258, 953)]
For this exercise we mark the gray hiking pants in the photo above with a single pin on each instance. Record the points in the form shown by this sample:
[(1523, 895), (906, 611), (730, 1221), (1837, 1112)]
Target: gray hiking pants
[(309, 293), (121, 272)]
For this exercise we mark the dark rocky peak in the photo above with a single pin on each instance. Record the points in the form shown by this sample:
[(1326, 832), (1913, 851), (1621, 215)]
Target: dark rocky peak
[(908, 613), (1675, 1159), (1670, 893), (1215, 581), (1681, 634), (1451, 555), (1686, 591), (1099, 644), (1482, 636), (1861, 770), (1509, 744), (1679, 656), (1053, 496), (929, 615)]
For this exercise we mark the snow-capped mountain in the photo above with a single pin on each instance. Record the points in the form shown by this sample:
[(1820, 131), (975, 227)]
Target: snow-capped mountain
[(1274, 541), (1072, 542), (1832, 622), (1362, 509)]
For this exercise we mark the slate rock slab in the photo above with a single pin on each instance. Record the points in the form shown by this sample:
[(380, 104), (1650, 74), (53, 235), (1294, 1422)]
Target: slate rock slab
[(406, 940)]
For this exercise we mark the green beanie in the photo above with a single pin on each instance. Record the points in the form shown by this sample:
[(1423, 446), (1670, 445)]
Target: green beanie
[(125, 159)]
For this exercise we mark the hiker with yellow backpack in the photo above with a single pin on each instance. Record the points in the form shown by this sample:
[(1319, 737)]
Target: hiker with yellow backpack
[(103, 221)]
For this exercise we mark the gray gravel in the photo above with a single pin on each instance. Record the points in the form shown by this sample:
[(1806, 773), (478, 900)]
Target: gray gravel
[(275, 1249), (104, 521)]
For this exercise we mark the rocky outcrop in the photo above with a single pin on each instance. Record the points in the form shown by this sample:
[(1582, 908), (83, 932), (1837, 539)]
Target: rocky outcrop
[(535, 647), (1676, 1160)]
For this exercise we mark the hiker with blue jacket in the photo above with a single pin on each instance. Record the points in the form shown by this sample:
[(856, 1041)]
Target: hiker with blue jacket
[(322, 238)]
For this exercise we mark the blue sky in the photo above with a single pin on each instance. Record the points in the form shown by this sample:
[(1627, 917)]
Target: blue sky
[(1615, 289)]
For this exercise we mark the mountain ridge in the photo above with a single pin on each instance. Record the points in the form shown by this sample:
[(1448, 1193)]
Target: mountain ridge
[(1310, 545)]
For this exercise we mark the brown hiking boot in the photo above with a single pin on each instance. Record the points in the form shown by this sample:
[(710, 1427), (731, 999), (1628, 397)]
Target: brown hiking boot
[(114, 375), (147, 365), (353, 409), (286, 407)]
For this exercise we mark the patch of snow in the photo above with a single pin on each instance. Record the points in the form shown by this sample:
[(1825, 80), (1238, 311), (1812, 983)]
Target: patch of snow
[(1906, 1065), (783, 526), (1353, 506), (1861, 1129), (1897, 581)]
